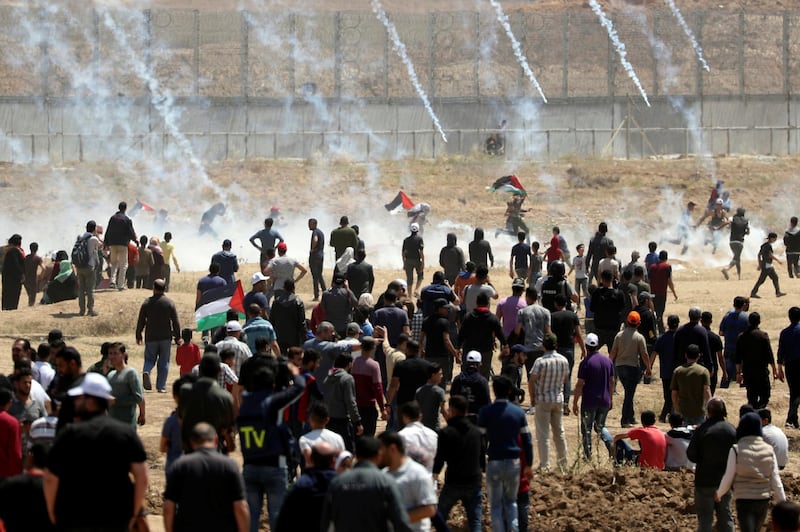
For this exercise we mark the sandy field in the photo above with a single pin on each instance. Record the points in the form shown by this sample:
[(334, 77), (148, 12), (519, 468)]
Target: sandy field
[(639, 199)]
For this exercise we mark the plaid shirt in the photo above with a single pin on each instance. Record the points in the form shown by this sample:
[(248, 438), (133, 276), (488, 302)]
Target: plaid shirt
[(551, 369), (416, 324)]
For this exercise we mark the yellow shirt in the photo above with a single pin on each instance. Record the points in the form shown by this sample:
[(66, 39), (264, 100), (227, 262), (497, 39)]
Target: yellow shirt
[(169, 252)]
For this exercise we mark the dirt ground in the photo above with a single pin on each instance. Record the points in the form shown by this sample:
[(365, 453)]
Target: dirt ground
[(587, 496)]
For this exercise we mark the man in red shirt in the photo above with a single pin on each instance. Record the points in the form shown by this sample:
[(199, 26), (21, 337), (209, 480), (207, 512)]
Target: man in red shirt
[(652, 443), (10, 441), (660, 275)]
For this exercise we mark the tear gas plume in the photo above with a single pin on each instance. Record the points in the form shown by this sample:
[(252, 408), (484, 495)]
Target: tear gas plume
[(620, 48), (400, 48), (502, 18), (698, 50)]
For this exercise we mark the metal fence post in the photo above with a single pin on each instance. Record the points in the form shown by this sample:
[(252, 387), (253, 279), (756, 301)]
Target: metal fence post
[(741, 53), (337, 55), (196, 58), (565, 65), (245, 56)]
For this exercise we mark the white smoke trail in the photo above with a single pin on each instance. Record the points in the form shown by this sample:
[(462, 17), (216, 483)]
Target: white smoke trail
[(620, 47), (161, 99), (502, 18), (688, 31), (400, 48)]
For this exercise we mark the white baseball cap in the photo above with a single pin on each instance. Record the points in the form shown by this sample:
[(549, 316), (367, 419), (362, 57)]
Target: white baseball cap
[(474, 356), (258, 277), (592, 340), (94, 385), (233, 326), (414, 227)]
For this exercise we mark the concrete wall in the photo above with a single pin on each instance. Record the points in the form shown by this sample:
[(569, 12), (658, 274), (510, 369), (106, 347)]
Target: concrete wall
[(68, 130)]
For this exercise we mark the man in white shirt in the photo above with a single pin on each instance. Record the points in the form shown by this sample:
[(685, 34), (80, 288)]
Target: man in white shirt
[(420, 441), (414, 482), (678, 438), (775, 437), (318, 419)]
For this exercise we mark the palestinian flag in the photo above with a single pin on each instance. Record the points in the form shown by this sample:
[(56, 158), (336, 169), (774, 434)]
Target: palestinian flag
[(400, 200), (509, 183), (144, 206), (214, 305)]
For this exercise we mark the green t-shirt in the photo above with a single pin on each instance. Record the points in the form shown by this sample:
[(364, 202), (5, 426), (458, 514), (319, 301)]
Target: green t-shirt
[(690, 381)]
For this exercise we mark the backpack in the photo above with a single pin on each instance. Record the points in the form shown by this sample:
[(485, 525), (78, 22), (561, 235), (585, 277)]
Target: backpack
[(80, 252)]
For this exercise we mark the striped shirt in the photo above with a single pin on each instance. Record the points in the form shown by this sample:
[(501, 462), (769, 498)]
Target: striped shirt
[(551, 370)]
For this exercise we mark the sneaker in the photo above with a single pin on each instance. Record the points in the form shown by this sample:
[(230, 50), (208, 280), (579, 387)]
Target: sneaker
[(162, 390), (81, 312), (92, 313), (146, 384), (725, 274), (531, 411), (789, 425), (112, 285), (755, 296), (780, 294), (566, 410), (628, 425)]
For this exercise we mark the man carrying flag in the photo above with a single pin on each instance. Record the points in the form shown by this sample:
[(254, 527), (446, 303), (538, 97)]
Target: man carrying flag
[(158, 318), (514, 210), (417, 212)]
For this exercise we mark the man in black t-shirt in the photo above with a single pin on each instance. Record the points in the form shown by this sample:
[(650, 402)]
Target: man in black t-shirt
[(413, 258), (408, 375), (92, 460), (435, 342), (205, 490), (567, 328), (766, 257), (715, 344)]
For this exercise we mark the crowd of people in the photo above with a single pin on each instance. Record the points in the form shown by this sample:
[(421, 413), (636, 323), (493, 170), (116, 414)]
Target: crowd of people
[(303, 398)]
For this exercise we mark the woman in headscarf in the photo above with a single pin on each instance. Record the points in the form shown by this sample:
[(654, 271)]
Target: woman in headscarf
[(64, 286), (157, 268), (13, 272), (752, 471)]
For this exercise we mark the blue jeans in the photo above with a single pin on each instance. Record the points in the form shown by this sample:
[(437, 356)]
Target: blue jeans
[(594, 418), (502, 483), (706, 508), (157, 353), (470, 496), (629, 377), (260, 481)]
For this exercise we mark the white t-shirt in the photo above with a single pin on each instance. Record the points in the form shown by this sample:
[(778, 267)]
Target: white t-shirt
[(579, 265), (46, 373), (415, 484), (307, 441), (421, 443), (610, 265), (676, 450), (774, 436), (38, 393)]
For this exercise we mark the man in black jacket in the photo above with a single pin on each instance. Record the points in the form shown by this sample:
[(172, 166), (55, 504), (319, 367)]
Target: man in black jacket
[(118, 233), (461, 446), (606, 304), (709, 448), (479, 331), (288, 317)]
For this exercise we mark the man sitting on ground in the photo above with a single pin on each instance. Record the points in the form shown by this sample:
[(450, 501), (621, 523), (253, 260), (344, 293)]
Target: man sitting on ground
[(652, 442)]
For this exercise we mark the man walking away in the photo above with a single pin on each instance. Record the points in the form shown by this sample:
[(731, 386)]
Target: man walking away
[(791, 239), (205, 490), (504, 423), (85, 264), (364, 498), (691, 387), (118, 233), (789, 363), (461, 447), (753, 357), (595, 391), (316, 257), (546, 385), (708, 449)]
